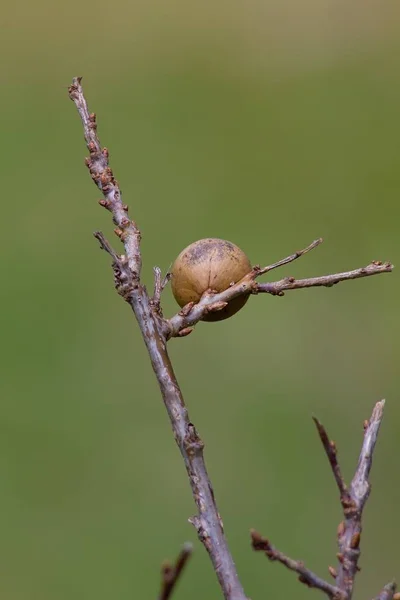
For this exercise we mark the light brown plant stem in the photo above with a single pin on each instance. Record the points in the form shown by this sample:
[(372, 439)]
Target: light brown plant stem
[(127, 280)]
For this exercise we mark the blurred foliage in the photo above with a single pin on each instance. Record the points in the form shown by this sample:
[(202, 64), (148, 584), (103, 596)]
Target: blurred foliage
[(267, 123)]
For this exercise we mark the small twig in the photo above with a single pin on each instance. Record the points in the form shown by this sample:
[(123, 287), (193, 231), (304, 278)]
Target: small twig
[(331, 452), (388, 592), (105, 245), (248, 285), (306, 576), (291, 258), (159, 285), (277, 288), (171, 573)]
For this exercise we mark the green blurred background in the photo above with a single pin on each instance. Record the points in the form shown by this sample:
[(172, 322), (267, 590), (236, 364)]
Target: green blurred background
[(266, 123)]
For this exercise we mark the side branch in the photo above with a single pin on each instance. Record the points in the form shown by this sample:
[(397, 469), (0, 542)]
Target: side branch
[(331, 452), (277, 288), (306, 576)]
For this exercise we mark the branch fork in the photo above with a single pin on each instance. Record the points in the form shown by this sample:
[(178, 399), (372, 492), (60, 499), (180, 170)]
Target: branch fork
[(352, 499)]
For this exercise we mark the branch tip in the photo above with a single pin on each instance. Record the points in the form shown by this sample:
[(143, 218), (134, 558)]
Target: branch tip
[(388, 592), (288, 259)]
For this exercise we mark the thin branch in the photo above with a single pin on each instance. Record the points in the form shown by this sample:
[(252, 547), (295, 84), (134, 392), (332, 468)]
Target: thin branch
[(277, 288), (291, 258), (388, 592), (159, 285), (127, 280), (306, 576), (331, 452), (171, 573), (248, 285)]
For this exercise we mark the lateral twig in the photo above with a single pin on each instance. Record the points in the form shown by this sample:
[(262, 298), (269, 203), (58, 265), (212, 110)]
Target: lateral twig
[(291, 258), (353, 500), (306, 576), (277, 288), (170, 574), (127, 269), (159, 284)]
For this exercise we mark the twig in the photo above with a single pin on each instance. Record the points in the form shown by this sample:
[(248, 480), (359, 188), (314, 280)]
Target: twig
[(171, 573), (388, 592), (306, 576), (277, 288), (159, 285), (248, 285), (331, 452), (353, 500), (291, 258), (127, 279)]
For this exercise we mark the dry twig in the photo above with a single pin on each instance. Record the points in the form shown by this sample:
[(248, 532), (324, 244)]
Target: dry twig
[(159, 285), (171, 573), (353, 500), (261, 544)]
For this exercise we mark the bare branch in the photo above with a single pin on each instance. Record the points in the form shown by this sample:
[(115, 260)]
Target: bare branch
[(277, 288), (350, 532), (171, 573), (388, 592), (331, 452), (248, 285), (306, 576), (127, 269)]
